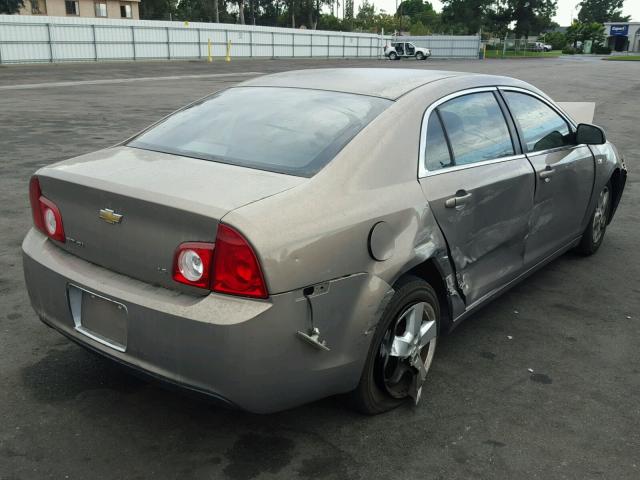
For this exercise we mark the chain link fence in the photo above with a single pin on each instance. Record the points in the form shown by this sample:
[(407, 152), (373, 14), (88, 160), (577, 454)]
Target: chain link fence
[(511, 47)]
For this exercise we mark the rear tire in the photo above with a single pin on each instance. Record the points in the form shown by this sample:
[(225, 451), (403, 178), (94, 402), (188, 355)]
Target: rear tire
[(593, 235), (376, 393), (393, 56)]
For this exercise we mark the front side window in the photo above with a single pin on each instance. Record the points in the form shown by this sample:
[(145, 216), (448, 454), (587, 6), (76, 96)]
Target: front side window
[(125, 11), (101, 9), (285, 130), (72, 7), (541, 126), (476, 128)]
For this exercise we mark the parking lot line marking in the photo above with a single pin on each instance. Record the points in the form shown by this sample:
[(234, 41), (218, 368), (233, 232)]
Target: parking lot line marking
[(124, 80)]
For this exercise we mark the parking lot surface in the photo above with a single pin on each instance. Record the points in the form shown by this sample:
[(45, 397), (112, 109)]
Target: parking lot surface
[(65, 413)]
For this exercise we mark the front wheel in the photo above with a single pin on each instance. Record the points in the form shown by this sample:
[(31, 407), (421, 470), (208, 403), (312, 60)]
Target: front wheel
[(593, 235), (420, 56), (402, 349)]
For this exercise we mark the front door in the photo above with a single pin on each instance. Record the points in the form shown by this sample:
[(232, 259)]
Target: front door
[(564, 175), (479, 189)]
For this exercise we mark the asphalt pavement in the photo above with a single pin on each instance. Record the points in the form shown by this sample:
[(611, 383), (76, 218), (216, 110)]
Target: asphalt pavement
[(65, 413)]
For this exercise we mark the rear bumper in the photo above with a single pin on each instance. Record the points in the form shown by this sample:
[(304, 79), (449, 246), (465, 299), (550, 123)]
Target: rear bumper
[(241, 351)]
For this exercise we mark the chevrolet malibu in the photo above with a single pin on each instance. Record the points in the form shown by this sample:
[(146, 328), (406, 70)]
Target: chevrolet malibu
[(312, 233)]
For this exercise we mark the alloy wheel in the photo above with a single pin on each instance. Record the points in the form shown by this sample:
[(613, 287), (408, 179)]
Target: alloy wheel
[(599, 223), (407, 350)]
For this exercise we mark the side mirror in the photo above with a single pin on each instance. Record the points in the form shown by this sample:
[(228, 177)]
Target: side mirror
[(590, 135)]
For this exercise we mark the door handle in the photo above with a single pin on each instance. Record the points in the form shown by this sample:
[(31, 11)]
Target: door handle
[(461, 198), (547, 173)]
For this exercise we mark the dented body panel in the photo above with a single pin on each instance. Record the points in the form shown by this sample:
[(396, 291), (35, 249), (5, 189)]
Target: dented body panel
[(561, 201), (487, 235), (331, 246)]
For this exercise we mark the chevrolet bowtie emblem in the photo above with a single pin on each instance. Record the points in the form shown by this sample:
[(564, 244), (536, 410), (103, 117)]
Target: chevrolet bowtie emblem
[(110, 216)]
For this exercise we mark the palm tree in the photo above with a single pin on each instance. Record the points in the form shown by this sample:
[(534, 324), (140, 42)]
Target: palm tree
[(241, 12)]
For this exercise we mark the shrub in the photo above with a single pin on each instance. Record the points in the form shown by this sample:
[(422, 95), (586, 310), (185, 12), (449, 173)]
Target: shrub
[(557, 40), (569, 50), (601, 50)]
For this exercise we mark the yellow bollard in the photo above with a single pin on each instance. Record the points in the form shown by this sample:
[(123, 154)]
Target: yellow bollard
[(228, 57), (210, 58)]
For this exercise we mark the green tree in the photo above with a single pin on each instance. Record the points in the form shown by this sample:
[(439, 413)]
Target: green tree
[(466, 16), (581, 32), (418, 11), (366, 14), (557, 40), (348, 9), (531, 16), (419, 29), (157, 9), (601, 11), (11, 6), (191, 10), (329, 22)]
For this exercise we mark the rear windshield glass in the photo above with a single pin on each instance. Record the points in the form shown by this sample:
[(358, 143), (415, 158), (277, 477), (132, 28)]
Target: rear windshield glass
[(286, 130)]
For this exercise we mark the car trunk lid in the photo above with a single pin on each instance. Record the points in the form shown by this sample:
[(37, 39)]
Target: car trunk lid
[(163, 200)]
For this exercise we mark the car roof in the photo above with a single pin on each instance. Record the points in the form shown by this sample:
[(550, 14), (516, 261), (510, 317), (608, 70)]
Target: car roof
[(390, 83)]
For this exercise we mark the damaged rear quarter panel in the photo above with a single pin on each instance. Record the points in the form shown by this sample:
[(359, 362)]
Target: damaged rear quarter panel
[(319, 231)]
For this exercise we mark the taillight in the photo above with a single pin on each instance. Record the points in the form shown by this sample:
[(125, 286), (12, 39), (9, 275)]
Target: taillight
[(46, 215), (236, 269), (192, 264), (229, 266)]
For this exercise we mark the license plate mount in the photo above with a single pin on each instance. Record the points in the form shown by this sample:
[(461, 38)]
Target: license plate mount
[(99, 318)]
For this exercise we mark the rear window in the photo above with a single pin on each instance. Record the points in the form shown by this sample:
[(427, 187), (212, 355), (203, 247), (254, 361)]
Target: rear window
[(285, 130)]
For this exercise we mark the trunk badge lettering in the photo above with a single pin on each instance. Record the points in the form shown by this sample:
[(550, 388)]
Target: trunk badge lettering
[(110, 216)]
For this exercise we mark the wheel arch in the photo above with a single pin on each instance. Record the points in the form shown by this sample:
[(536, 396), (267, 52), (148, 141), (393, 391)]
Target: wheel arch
[(431, 272), (617, 181)]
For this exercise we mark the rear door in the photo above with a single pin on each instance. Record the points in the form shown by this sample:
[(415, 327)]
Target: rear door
[(479, 187), (564, 173)]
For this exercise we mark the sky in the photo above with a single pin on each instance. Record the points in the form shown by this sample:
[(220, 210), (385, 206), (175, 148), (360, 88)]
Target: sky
[(566, 9)]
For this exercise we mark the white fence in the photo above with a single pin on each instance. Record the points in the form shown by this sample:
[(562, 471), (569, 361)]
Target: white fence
[(449, 46), (33, 39)]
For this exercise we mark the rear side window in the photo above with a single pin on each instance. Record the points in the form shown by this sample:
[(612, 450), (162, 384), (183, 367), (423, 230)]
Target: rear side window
[(541, 126), (286, 130), (436, 154), (476, 128)]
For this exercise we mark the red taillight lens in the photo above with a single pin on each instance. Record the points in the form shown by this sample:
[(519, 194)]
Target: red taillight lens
[(192, 264), (228, 266), (236, 269), (46, 216), (34, 197)]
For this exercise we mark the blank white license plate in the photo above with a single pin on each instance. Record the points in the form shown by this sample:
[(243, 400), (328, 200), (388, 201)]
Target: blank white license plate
[(99, 318)]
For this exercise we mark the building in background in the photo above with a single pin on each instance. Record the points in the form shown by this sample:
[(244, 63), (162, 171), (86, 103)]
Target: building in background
[(82, 8), (623, 36)]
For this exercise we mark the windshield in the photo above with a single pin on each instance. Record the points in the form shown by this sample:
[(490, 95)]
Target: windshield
[(287, 130)]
